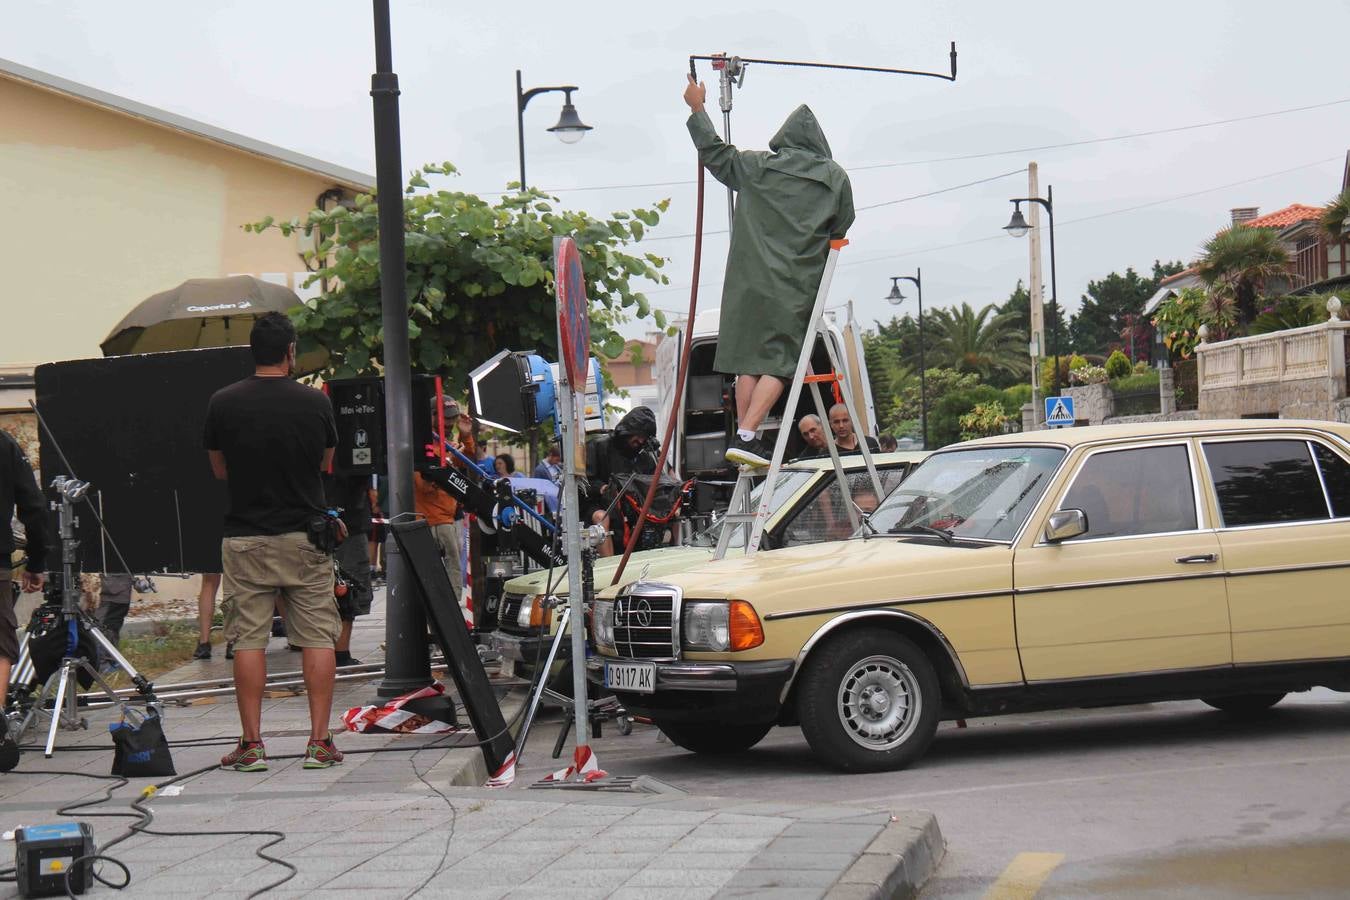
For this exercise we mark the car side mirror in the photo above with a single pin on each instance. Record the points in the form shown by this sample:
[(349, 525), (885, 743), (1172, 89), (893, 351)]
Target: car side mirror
[(1064, 524)]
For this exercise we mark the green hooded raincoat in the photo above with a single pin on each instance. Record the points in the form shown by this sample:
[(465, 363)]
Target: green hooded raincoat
[(790, 202)]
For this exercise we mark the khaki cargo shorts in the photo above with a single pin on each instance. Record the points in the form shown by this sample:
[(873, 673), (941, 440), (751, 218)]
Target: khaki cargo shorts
[(259, 570)]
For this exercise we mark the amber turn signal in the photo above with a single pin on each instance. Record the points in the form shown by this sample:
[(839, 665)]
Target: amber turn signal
[(541, 616), (746, 631)]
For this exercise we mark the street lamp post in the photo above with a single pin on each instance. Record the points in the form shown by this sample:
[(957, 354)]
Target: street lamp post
[(408, 664), (896, 298), (569, 129), (1017, 227)]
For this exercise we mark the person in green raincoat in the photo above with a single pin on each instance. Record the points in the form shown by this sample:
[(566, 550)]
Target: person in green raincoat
[(790, 203)]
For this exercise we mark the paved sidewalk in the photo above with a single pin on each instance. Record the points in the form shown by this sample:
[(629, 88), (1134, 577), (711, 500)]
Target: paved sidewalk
[(389, 824)]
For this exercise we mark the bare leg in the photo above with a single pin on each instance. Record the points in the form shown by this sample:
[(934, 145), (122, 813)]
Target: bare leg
[(344, 641), (607, 548), (763, 396), (319, 667), (206, 605), (745, 389), (250, 674), (4, 682)]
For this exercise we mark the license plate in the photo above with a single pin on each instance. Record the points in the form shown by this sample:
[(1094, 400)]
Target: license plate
[(640, 678)]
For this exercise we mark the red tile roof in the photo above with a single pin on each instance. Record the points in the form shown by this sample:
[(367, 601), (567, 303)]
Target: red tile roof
[(1283, 218)]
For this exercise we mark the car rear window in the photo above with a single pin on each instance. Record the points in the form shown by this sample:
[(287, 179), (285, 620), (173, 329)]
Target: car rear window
[(1336, 476), (1265, 482)]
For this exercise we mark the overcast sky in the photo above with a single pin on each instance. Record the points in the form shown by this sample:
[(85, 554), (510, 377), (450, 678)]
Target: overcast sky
[(297, 74)]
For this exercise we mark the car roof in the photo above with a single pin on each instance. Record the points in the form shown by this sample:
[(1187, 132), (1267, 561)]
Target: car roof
[(854, 461), (1086, 434)]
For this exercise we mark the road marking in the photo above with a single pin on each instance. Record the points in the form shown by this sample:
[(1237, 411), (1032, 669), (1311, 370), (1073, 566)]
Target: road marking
[(1024, 876)]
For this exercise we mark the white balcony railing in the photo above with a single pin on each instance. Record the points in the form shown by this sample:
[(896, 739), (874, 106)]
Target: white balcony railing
[(1298, 354)]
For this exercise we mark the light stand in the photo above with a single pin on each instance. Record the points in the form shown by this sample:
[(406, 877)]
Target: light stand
[(61, 687)]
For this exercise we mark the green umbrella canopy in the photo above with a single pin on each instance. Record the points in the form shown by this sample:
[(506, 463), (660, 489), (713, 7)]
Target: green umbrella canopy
[(202, 312)]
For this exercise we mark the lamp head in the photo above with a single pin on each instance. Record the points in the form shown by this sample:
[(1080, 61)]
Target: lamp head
[(570, 128), (1017, 226), (895, 297)]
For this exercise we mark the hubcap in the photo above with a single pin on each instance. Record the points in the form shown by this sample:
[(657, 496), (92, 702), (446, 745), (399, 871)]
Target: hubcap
[(879, 702)]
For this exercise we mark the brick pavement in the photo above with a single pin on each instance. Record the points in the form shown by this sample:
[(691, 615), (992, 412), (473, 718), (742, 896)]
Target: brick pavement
[(391, 824)]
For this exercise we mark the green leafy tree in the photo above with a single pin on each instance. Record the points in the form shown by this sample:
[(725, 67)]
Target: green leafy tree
[(1112, 307), (1238, 262), (1290, 312), (1334, 216), (479, 277), (983, 420), (904, 415), (944, 418), (984, 343)]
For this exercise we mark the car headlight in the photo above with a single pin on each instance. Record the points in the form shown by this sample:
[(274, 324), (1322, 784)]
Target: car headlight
[(602, 624), (536, 611), (720, 625), (706, 626)]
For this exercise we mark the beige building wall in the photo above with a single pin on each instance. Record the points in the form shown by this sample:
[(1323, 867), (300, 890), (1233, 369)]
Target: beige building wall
[(104, 209)]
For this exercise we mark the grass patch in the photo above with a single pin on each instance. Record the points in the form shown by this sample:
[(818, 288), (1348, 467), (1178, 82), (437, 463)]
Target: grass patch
[(162, 650)]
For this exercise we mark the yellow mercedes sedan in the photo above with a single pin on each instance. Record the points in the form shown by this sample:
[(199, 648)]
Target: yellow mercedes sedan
[(1050, 569)]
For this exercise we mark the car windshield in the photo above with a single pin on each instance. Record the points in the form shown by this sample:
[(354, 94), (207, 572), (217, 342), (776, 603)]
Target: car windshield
[(790, 481), (985, 493)]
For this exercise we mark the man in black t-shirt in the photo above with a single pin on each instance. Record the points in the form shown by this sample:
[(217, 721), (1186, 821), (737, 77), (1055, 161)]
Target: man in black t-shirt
[(268, 437)]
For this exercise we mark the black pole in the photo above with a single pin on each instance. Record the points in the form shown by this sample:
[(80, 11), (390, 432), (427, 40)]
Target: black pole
[(923, 378), (1049, 204), (520, 128), (407, 665)]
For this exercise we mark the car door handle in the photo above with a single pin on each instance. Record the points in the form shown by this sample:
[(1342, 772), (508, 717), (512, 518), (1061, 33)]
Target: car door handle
[(1198, 558)]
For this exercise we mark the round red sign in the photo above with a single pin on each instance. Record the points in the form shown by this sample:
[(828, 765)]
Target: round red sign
[(574, 322)]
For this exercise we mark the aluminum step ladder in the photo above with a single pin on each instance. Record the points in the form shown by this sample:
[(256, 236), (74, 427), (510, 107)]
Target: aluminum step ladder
[(750, 518)]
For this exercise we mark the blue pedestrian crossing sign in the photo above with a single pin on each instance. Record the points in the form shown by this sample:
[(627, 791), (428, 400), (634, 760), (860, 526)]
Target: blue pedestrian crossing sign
[(1058, 412)]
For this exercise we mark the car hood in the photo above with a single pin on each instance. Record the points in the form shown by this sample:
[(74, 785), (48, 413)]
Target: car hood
[(660, 562), (876, 570)]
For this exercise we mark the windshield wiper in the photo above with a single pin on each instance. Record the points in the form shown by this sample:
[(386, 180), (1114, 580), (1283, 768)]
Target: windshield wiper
[(866, 519), (946, 535)]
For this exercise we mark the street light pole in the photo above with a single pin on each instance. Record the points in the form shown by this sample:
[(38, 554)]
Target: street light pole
[(569, 129), (1017, 227), (896, 299), (408, 665)]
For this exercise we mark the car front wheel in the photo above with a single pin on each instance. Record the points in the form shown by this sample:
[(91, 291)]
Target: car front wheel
[(1244, 704), (869, 701)]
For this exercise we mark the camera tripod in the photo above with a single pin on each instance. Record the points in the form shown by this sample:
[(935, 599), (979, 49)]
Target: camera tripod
[(58, 696)]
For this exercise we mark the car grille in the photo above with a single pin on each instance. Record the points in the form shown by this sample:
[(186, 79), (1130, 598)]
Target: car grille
[(644, 624), (510, 609)]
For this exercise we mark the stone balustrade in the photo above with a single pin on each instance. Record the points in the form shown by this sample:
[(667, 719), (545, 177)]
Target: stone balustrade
[(1299, 373)]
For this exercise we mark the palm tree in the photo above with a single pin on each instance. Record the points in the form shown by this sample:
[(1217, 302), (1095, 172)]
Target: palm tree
[(983, 342), (1238, 261), (1334, 216)]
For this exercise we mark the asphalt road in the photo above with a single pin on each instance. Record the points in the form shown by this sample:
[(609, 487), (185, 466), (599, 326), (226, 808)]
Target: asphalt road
[(1162, 800)]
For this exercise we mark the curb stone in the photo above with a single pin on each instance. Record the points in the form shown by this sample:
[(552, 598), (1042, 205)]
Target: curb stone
[(897, 863)]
